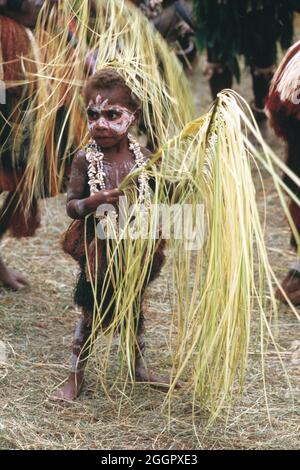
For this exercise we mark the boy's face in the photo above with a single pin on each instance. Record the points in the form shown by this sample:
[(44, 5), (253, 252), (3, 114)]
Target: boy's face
[(109, 117)]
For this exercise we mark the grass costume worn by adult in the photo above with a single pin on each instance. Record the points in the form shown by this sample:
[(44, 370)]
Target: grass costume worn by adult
[(16, 44)]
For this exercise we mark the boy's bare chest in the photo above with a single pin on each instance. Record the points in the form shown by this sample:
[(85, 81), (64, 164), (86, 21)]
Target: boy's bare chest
[(116, 172)]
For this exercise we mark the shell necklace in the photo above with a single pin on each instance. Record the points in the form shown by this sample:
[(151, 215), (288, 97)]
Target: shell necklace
[(96, 175)]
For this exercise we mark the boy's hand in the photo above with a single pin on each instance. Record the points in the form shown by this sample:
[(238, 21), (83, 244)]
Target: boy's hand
[(79, 208), (107, 196)]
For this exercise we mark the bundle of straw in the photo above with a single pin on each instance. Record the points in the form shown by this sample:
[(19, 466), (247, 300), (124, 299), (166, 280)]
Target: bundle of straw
[(218, 283)]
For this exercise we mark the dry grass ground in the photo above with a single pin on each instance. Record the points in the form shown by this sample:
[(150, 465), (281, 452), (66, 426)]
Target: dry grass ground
[(37, 326)]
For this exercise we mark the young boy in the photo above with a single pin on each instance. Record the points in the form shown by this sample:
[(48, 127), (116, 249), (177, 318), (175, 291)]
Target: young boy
[(96, 175)]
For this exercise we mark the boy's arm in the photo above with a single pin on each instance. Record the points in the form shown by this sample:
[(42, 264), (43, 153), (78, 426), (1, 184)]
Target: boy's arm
[(79, 206), (77, 185)]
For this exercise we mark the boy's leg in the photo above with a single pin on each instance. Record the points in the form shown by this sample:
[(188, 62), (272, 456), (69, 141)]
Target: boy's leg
[(142, 373), (82, 343), (81, 350)]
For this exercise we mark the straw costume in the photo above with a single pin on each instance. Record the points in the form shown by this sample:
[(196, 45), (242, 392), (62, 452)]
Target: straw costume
[(16, 41), (18, 63)]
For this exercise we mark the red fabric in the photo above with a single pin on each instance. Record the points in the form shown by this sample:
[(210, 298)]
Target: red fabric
[(73, 240), (14, 43), (17, 218)]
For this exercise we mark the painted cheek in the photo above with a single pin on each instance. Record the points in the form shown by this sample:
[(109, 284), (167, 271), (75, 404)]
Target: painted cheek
[(123, 124)]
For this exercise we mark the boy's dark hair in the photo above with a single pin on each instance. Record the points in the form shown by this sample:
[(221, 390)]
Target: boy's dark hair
[(108, 79)]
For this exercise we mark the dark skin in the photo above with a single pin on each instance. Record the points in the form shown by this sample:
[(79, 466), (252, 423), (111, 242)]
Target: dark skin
[(291, 287), (11, 278), (118, 161)]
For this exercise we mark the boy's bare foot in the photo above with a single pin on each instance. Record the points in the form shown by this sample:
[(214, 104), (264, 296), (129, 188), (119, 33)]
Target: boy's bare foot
[(291, 287), (71, 389), (157, 381), (11, 278)]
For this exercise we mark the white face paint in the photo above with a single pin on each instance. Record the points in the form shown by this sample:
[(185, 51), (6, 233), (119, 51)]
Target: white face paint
[(108, 121)]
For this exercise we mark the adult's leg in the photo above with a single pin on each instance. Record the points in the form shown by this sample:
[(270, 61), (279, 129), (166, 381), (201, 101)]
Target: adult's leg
[(11, 278), (291, 283), (218, 73), (261, 80), (260, 52), (21, 223), (220, 77)]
